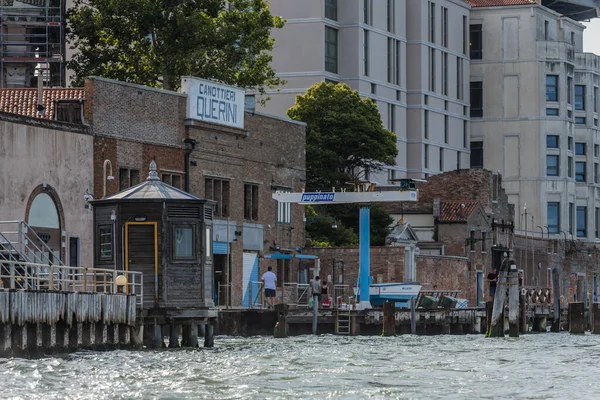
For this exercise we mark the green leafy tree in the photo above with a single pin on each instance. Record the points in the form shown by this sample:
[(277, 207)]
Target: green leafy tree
[(325, 231), (155, 42), (345, 136)]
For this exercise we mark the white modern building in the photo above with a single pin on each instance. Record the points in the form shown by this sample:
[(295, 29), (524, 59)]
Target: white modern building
[(534, 112), (410, 56)]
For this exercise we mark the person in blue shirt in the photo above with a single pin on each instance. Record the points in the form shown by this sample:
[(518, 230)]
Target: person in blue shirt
[(269, 279)]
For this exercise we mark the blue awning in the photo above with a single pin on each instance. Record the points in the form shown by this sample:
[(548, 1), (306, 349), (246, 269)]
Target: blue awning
[(278, 256), (306, 256), (220, 248)]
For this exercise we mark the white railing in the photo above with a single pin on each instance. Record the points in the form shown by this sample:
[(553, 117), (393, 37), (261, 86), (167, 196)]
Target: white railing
[(18, 235), (296, 294), (32, 276)]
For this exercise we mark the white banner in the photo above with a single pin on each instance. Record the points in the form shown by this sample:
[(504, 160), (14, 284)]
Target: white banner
[(213, 102)]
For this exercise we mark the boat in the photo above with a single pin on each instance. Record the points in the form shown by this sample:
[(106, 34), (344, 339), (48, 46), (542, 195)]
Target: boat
[(400, 293)]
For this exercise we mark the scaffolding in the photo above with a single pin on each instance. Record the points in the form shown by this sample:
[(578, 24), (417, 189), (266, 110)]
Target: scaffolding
[(32, 43)]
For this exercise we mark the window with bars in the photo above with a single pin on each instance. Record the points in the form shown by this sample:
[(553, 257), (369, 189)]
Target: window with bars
[(128, 178), (172, 179), (251, 201), (106, 242), (218, 190)]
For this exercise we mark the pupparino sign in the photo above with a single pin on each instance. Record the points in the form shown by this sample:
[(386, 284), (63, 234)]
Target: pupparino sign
[(213, 102)]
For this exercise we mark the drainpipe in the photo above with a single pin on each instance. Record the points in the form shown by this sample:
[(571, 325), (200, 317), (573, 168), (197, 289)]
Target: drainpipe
[(188, 152)]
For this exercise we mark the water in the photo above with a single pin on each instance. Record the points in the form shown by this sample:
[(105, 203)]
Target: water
[(545, 366)]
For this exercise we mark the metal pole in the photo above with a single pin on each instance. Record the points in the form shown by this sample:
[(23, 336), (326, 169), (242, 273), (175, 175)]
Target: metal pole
[(315, 314), (364, 257), (413, 316)]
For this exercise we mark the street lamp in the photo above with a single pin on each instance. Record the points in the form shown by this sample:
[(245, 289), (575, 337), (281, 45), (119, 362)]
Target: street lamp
[(110, 177)]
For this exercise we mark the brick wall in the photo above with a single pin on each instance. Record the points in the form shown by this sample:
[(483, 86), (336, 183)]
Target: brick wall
[(447, 273), (134, 112)]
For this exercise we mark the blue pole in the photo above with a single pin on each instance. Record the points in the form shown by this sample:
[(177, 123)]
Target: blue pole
[(364, 255)]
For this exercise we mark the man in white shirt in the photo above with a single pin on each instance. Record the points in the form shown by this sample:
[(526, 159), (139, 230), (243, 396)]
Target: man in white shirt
[(269, 279)]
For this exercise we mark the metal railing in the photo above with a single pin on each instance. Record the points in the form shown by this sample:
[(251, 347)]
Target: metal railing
[(35, 276), (18, 237), (223, 295), (296, 294)]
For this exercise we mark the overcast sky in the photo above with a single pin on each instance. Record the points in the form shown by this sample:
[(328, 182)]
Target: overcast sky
[(591, 37)]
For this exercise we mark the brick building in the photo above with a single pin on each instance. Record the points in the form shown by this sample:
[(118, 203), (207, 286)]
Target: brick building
[(239, 167)]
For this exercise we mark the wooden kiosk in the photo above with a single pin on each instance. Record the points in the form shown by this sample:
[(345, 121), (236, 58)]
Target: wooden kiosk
[(166, 234)]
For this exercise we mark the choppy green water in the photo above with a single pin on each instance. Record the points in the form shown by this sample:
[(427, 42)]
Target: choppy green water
[(546, 366)]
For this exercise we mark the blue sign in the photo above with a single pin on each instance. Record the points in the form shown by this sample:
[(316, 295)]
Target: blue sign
[(317, 197)]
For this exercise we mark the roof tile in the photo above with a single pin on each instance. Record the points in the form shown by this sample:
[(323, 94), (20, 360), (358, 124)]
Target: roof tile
[(457, 211), (500, 3), (24, 101)]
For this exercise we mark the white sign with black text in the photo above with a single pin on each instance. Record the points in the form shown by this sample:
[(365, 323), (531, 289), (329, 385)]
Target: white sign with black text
[(213, 102)]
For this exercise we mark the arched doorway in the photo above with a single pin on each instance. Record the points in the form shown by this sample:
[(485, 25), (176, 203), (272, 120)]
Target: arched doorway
[(46, 220)]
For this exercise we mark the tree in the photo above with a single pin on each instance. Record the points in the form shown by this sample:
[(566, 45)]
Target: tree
[(155, 42), (345, 136)]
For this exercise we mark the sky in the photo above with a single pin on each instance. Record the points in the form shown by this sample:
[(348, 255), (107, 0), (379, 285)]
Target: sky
[(591, 37)]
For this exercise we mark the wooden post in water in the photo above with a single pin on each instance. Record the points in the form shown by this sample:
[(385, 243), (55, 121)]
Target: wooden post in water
[(513, 301), (174, 335), (389, 318), (489, 307), (523, 306), (497, 324), (556, 297), (315, 314), (281, 328), (576, 318), (595, 309), (413, 316), (209, 338)]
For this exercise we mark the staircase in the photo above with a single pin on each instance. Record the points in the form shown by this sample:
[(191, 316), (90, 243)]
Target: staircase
[(17, 246), (342, 322)]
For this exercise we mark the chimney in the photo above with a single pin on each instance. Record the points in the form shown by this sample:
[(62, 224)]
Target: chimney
[(436, 208)]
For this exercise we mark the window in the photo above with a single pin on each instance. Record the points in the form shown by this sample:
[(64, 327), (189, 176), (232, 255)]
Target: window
[(426, 124), (476, 42), (552, 141), (570, 143), (446, 128), (128, 178), (444, 27), (595, 172), (569, 114), (458, 160), (553, 217), (445, 74), (597, 222), (366, 52), (573, 38), (431, 19), (373, 89), (580, 149), (459, 78), (465, 34), (432, 70), (581, 221), (570, 167), (426, 156), (331, 9), (551, 87), (571, 216), (391, 118), (580, 171), (284, 211), (476, 154), (172, 179), (218, 190), (368, 12), (595, 99), (552, 165), (391, 15), (595, 122), (183, 242), (546, 30), (580, 120), (68, 111), (441, 160), (250, 202), (569, 90), (331, 48), (393, 67), (106, 242), (476, 99), (483, 242), (465, 134), (552, 112), (397, 66), (472, 241), (596, 150), (580, 97)]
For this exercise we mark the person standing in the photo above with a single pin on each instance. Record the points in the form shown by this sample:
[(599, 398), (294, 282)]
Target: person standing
[(493, 281), (269, 279), (316, 289)]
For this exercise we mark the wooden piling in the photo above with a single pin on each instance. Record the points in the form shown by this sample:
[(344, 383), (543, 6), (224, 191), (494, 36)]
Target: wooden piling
[(595, 309), (513, 302), (556, 296), (523, 307), (281, 327), (389, 319), (315, 311), (413, 316), (190, 335), (576, 318), (174, 336), (209, 340), (497, 324)]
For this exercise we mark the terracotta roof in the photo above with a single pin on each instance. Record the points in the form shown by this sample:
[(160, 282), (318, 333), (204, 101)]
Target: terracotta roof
[(24, 101), (456, 211), (500, 3)]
